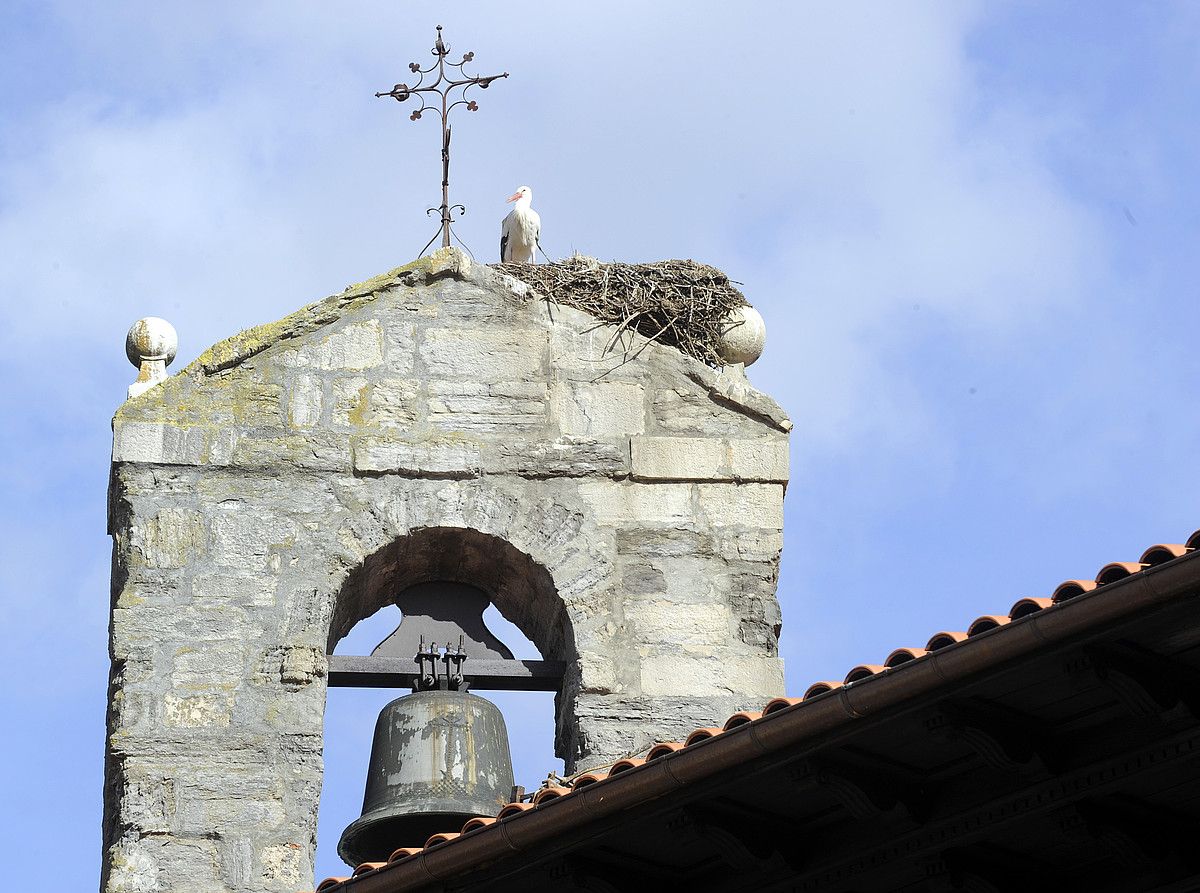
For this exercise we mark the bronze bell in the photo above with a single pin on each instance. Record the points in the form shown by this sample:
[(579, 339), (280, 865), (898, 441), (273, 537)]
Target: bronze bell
[(439, 758)]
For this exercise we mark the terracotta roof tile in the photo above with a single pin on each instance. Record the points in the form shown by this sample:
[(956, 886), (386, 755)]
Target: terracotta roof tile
[(549, 793), (702, 735), (587, 778), (817, 688), (985, 623), (662, 749), (514, 808), (480, 821), (1027, 606), (903, 656), (1071, 589), (1118, 570), (741, 718), (777, 704), (864, 671), (944, 639), (1161, 553), (899, 659), (625, 765)]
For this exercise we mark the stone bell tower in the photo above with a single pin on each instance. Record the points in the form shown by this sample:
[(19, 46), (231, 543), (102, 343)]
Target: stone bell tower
[(438, 422)]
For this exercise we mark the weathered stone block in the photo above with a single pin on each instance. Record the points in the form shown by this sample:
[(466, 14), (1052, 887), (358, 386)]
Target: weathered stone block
[(710, 672), (678, 458), (157, 863), (597, 674), (304, 401), (350, 404), (236, 862), (562, 457), (356, 346), (136, 626), (708, 459), (253, 402), (643, 579), (159, 443), (285, 864), (132, 865), (658, 621), (759, 460), (487, 407), (197, 711), (150, 793), (688, 580), (300, 665), (239, 810), (250, 539), (315, 450), (687, 410), (760, 544), (656, 543), (207, 667), (600, 409), (433, 458), (393, 403), (746, 505), (400, 343), (614, 503), (173, 537), (235, 589), (484, 355)]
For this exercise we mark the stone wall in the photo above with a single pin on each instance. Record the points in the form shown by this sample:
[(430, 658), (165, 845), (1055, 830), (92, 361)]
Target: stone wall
[(624, 509)]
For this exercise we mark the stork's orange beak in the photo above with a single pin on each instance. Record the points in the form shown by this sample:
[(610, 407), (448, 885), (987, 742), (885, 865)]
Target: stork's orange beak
[(513, 197)]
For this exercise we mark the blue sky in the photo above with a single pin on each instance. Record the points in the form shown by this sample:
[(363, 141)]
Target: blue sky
[(971, 229)]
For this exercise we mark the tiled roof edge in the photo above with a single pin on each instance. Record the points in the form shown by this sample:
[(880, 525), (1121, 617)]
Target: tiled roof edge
[(1030, 624)]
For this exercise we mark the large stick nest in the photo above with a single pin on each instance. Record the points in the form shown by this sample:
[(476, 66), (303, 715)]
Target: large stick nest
[(676, 302)]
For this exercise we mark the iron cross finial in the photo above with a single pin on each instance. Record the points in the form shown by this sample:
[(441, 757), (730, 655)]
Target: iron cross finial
[(442, 86)]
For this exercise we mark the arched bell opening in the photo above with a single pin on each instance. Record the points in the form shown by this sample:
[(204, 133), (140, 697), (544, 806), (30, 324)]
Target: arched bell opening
[(521, 611), (520, 588)]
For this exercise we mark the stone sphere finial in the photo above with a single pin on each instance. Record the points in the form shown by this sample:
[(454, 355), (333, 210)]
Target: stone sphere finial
[(150, 345), (743, 335), (151, 338)]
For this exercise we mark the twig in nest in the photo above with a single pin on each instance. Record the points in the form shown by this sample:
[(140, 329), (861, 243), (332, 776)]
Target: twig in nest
[(676, 302)]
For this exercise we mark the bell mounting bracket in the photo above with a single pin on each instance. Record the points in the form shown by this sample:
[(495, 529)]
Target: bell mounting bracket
[(442, 612), (447, 677)]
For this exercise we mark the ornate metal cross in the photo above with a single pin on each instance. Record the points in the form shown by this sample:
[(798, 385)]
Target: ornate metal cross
[(443, 85)]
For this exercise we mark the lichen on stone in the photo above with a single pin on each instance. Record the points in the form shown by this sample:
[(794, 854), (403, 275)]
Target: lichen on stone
[(240, 347)]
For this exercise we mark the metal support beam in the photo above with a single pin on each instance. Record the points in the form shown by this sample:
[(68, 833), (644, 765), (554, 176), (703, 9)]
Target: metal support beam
[(351, 671)]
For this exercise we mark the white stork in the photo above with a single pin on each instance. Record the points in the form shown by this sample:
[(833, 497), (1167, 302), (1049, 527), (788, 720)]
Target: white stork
[(521, 229)]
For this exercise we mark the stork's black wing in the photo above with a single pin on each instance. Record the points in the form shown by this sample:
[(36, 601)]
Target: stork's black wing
[(503, 244)]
